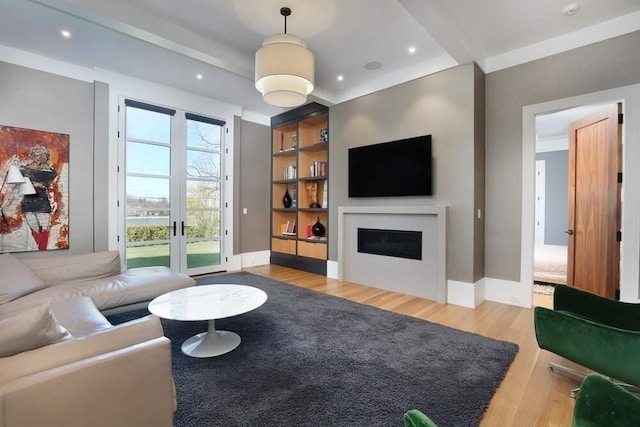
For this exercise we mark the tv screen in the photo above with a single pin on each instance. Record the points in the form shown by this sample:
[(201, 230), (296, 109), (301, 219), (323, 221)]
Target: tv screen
[(397, 168)]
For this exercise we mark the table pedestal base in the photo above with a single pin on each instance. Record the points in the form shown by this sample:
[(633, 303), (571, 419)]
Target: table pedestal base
[(211, 343)]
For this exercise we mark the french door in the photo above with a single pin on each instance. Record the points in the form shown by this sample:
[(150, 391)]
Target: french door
[(173, 169)]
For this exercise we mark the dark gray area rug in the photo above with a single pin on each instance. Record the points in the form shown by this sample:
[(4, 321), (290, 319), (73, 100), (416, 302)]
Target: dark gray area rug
[(310, 359)]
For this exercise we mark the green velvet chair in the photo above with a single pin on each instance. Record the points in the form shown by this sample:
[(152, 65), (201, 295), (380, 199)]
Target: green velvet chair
[(601, 403), (415, 418), (601, 334)]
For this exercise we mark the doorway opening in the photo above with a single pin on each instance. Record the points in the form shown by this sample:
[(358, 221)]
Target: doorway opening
[(550, 262), (629, 97)]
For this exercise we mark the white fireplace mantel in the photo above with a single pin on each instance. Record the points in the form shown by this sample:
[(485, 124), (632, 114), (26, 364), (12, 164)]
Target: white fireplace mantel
[(426, 279)]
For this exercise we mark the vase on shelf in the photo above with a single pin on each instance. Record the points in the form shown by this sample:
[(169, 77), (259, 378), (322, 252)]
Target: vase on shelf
[(286, 199), (318, 229)]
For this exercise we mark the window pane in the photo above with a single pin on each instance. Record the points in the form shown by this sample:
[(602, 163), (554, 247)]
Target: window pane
[(203, 224), (148, 255), (148, 125), (203, 165), (203, 135), (148, 159), (203, 195), (202, 254), (148, 193)]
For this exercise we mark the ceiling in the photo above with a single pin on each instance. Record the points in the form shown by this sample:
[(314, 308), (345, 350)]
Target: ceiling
[(170, 42)]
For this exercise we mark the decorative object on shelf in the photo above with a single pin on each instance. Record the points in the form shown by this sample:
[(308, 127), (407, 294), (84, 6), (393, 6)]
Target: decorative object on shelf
[(312, 191), (281, 141), (284, 71), (286, 199), (318, 229), (294, 140), (324, 135)]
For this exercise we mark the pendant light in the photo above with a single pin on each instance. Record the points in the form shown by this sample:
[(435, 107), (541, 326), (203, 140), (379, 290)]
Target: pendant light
[(284, 68)]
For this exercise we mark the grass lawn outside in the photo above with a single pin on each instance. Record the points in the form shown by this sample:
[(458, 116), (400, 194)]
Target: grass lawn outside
[(199, 254)]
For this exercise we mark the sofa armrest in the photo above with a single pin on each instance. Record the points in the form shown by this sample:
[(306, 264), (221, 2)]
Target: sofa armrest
[(57, 270), (132, 386), (65, 352)]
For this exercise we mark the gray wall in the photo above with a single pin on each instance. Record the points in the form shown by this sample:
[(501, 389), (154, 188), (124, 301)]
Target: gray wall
[(606, 65), (556, 196), (443, 105), (252, 188), (37, 100)]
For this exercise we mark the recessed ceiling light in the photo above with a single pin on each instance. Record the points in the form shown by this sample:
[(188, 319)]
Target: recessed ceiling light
[(411, 50), (340, 78), (65, 33), (570, 9), (373, 65), (199, 76)]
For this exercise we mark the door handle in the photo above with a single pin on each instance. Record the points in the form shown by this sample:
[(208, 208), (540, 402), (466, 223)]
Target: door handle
[(569, 231), (174, 228), (182, 226)]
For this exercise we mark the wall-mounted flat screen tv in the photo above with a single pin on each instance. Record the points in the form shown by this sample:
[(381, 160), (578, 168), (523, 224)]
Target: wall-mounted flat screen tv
[(396, 168)]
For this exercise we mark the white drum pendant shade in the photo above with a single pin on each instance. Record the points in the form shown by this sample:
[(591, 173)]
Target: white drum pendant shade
[(284, 70)]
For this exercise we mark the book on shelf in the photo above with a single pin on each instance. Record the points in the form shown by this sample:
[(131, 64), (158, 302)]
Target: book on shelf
[(289, 229), (289, 172), (319, 168), (325, 195)]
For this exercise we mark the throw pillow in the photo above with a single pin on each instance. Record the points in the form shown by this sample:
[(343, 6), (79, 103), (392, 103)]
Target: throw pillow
[(28, 329), (16, 279)]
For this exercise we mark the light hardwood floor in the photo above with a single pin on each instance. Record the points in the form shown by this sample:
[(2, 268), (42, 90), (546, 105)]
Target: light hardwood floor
[(530, 394)]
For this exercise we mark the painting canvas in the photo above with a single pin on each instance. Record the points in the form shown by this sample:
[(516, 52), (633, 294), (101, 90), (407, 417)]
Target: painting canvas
[(34, 197)]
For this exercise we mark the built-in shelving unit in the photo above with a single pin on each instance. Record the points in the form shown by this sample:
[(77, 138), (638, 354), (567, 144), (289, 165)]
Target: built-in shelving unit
[(299, 167)]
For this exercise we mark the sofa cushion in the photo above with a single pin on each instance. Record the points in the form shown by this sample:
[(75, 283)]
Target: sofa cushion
[(57, 270), (28, 329), (79, 316), (16, 279)]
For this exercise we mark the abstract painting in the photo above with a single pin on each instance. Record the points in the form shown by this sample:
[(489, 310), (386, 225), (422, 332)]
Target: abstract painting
[(34, 197)]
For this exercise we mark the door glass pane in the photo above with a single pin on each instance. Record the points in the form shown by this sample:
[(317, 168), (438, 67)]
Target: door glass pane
[(203, 135), (204, 194), (202, 164), (148, 125), (148, 183), (203, 254), (148, 159), (203, 224)]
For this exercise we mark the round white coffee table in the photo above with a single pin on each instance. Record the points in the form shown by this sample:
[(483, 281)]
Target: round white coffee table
[(208, 302)]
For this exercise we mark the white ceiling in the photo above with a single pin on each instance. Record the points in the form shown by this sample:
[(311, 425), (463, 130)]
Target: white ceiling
[(169, 41)]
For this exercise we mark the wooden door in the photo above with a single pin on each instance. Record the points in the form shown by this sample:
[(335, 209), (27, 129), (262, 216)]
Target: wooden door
[(595, 154)]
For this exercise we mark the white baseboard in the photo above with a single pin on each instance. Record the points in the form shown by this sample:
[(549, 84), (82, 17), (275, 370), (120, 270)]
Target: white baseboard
[(508, 292), (497, 290), (332, 269), (251, 259), (465, 294)]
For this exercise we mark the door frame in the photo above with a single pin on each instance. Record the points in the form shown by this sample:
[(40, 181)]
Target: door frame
[(121, 87), (177, 244), (629, 96), (540, 203)]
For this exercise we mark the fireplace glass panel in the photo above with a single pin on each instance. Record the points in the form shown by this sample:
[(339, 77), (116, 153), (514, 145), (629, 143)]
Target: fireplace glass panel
[(394, 243)]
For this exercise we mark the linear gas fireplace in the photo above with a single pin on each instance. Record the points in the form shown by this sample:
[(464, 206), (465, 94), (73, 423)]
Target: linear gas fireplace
[(414, 238), (393, 243)]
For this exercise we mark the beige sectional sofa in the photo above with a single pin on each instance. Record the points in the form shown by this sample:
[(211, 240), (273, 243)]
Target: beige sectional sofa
[(61, 361)]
